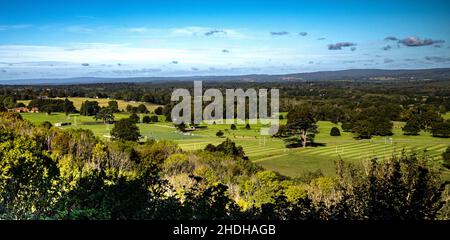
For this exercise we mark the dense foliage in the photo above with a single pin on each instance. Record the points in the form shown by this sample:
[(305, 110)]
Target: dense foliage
[(50, 173)]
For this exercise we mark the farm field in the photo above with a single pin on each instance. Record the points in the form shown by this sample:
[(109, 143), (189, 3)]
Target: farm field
[(271, 153), (103, 102)]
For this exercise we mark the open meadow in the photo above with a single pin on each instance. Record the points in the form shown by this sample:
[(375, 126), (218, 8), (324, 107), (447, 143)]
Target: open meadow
[(269, 152)]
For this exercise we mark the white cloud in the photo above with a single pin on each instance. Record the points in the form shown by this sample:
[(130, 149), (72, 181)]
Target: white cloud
[(205, 31), (139, 30)]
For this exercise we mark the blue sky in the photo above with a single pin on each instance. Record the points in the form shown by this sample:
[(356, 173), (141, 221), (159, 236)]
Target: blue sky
[(57, 39)]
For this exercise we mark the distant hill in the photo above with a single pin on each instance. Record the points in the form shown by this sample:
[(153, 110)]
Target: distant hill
[(351, 74)]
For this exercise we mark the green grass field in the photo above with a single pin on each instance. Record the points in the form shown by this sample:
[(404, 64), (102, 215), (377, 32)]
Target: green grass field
[(271, 153)]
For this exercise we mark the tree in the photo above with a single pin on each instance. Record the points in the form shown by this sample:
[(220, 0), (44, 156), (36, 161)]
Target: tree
[(219, 133), (233, 127), (369, 122), (181, 127), (142, 109), (227, 147), (131, 109), (135, 118), (441, 129), (301, 124), (125, 129), (159, 111), (154, 118), (27, 178), (412, 127), (247, 126), (9, 102), (68, 107), (150, 119), (146, 119), (89, 108), (106, 115), (48, 109), (347, 126), (401, 188), (446, 157), (114, 106), (335, 131)]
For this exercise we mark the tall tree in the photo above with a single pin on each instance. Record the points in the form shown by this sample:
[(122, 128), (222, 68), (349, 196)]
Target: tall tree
[(106, 115), (89, 108), (412, 127), (113, 105), (301, 123), (68, 107), (125, 129)]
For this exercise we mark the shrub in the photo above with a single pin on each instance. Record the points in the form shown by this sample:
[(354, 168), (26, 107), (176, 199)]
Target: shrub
[(335, 131), (146, 119), (46, 124), (159, 111), (154, 118), (219, 133), (135, 118)]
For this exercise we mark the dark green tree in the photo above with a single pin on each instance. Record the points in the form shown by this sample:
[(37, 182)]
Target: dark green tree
[(441, 129), (301, 125), (106, 114), (135, 118), (142, 109), (412, 127), (154, 118), (68, 107), (146, 119), (125, 129), (89, 108), (335, 131), (114, 106), (159, 111)]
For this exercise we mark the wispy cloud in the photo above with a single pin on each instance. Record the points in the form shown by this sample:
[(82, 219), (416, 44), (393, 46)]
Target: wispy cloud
[(205, 31), (215, 32), (139, 30), (438, 59), (417, 42), (279, 33), (302, 34), (390, 38), (340, 45)]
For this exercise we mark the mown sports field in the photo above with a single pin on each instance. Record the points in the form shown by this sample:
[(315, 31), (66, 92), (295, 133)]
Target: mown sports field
[(271, 153)]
